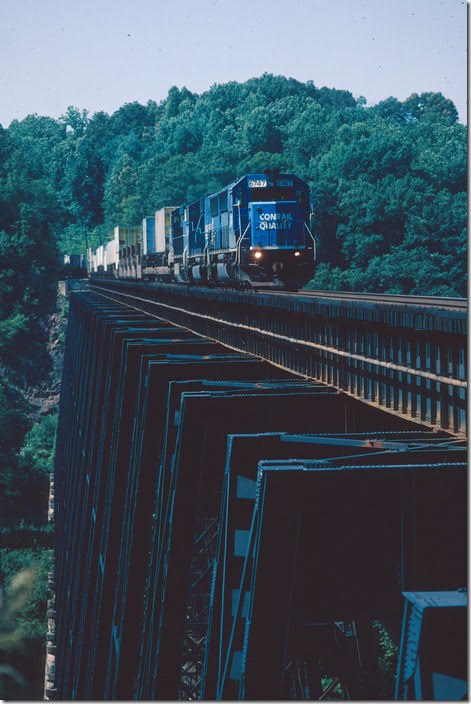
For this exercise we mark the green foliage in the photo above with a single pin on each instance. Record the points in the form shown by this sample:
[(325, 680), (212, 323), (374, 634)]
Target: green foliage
[(26, 460), (32, 617), (39, 446), (13, 426), (13, 336), (387, 661), (27, 535), (337, 693), (391, 212), (389, 181), (23, 624)]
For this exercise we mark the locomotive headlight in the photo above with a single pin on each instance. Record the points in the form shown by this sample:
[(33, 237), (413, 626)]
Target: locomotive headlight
[(258, 255), (297, 254)]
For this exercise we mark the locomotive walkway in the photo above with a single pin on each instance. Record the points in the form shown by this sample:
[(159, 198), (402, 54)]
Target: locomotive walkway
[(229, 529)]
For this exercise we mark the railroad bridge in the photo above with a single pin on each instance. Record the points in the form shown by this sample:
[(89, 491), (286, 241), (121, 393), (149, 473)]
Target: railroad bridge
[(252, 489)]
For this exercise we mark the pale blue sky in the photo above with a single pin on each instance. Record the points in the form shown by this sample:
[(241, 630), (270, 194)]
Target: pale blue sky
[(100, 54)]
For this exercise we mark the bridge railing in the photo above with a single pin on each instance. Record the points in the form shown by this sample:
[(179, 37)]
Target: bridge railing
[(409, 360)]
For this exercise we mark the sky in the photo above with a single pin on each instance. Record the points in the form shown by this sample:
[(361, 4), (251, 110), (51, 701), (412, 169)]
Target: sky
[(99, 54)]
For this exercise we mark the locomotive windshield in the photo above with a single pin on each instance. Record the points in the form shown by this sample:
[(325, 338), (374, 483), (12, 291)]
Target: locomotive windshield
[(278, 193), (270, 193)]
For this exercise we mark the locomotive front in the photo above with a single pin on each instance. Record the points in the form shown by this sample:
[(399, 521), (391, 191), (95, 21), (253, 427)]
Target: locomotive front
[(271, 214)]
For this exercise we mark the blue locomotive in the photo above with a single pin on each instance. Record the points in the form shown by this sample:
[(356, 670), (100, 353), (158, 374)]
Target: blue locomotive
[(255, 232)]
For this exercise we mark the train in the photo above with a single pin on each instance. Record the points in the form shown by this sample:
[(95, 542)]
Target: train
[(254, 233)]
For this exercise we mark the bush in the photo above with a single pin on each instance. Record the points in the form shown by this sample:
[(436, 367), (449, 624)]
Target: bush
[(23, 622)]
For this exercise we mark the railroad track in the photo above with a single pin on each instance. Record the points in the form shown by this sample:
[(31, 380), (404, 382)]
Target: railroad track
[(446, 302), (421, 301)]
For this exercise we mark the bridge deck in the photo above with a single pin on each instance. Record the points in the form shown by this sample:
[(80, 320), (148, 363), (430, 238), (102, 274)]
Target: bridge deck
[(403, 355), (225, 530)]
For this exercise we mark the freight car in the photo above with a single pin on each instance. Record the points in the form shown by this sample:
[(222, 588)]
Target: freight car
[(254, 233)]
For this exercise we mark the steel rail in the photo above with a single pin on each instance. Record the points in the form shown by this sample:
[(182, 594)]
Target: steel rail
[(306, 343), (388, 298), (446, 302)]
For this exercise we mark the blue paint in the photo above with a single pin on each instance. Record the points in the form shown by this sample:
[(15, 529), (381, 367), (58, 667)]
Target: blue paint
[(246, 488), (241, 542), (236, 666)]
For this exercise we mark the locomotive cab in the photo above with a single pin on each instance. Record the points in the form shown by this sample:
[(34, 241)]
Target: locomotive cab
[(277, 245), (280, 241)]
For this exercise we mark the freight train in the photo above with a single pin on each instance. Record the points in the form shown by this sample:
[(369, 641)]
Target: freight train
[(254, 233)]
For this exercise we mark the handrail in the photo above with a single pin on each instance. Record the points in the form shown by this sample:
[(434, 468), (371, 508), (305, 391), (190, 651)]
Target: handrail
[(239, 242), (313, 239)]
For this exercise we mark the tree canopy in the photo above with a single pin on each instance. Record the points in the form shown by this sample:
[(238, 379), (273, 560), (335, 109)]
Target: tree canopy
[(388, 181)]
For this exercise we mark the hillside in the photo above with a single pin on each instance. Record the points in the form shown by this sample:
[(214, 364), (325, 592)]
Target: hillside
[(388, 181), (389, 195)]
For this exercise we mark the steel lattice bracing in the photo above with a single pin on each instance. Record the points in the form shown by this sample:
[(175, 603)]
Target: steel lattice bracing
[(167, 449), (433, 667), (328, 540), (408, 358)]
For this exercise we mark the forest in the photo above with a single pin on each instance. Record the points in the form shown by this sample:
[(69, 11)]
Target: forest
[(388, 185), (388, 182)]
